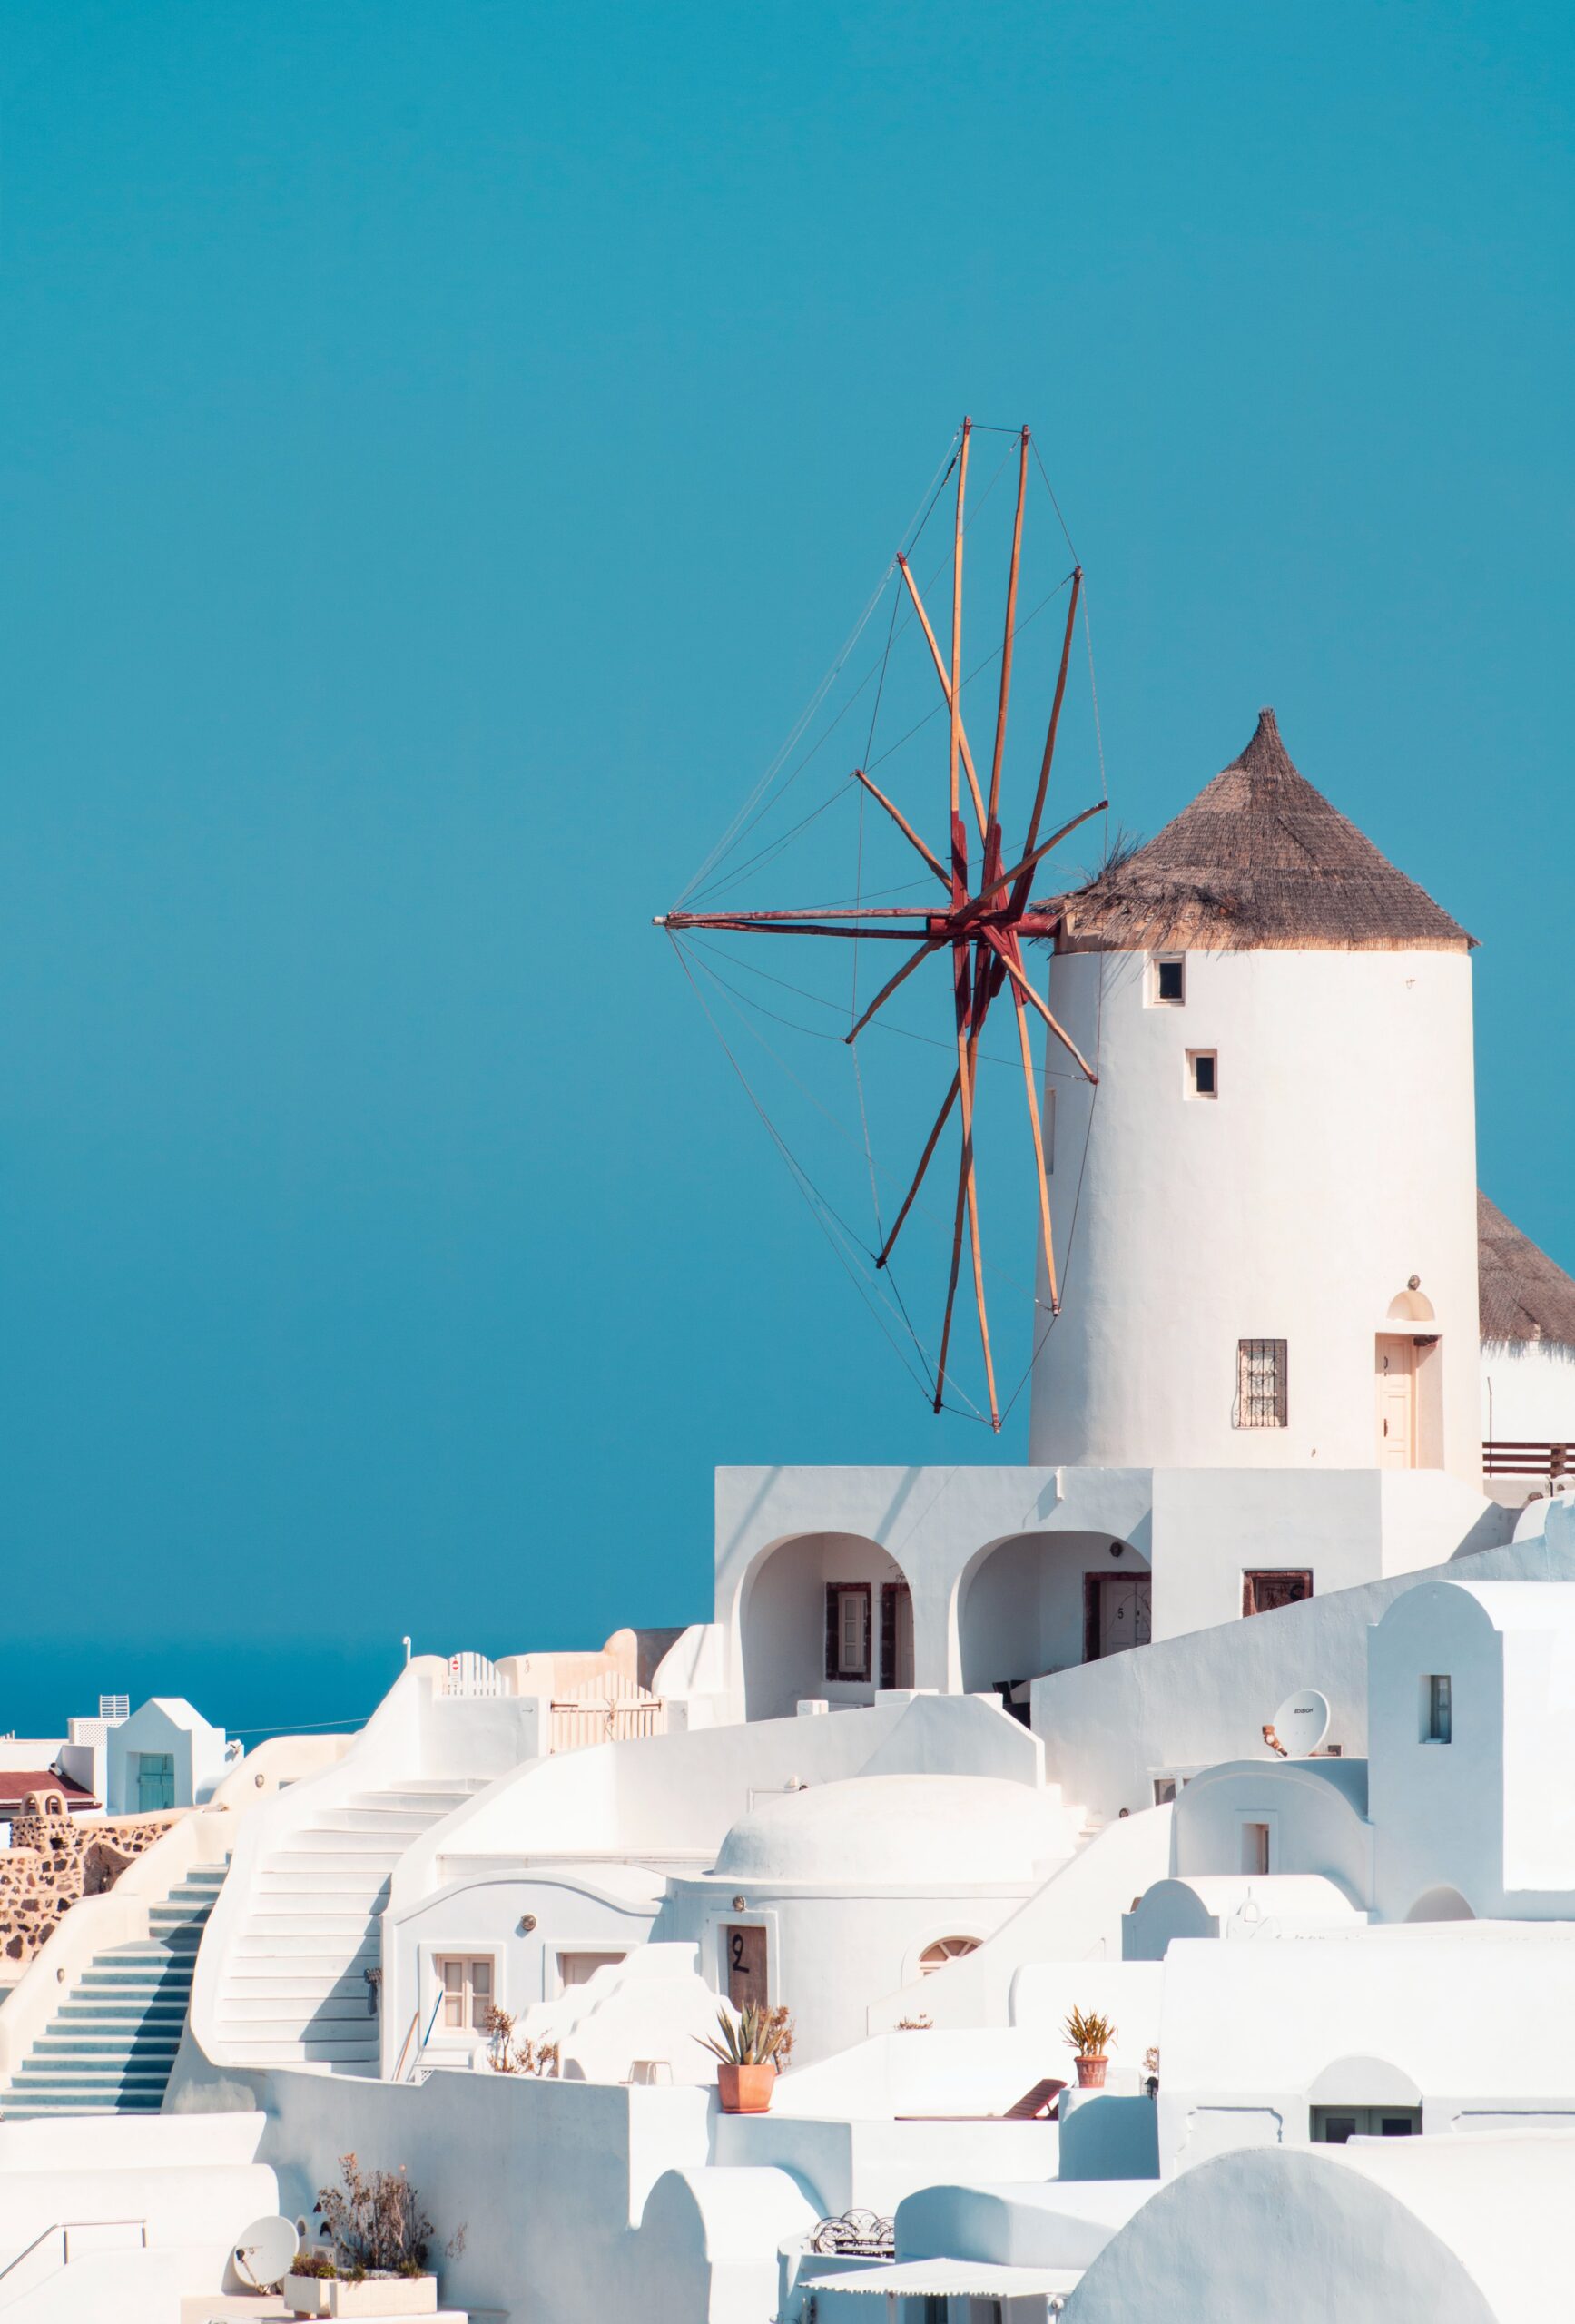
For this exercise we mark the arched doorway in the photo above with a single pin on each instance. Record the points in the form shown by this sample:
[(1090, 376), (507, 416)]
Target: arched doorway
[(825, 1615), (1037, 1603)]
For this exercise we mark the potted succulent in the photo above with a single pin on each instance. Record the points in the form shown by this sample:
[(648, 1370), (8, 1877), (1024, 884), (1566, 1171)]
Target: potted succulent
[(1092, 2037), (374, 2262), (754, 2047)]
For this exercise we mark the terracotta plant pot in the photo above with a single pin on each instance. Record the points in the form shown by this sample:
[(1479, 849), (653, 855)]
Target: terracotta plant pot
[(1091, 2073), (745, 2090)]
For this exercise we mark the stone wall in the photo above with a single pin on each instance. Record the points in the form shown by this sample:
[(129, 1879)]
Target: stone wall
[(54, 1859)]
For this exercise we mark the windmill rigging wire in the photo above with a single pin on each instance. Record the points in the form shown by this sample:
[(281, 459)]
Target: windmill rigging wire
[(1003, 1274), (800, 725), (1055, 504), (1094, 695), (771, 848), (815, 1033), (816, 1202), (859, 901), (749, 815), (978, 669)]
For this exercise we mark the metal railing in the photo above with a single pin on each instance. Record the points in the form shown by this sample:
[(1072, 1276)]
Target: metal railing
[(1517, 1457), (99, 2234)]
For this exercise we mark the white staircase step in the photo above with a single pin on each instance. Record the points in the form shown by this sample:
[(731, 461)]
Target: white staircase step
[(294, 1988)]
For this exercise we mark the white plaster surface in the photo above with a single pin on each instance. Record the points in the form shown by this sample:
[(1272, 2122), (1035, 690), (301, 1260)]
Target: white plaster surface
[(1182, 1224)]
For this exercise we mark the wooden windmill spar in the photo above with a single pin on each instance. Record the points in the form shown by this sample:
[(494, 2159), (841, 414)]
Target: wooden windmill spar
[(981, 924)]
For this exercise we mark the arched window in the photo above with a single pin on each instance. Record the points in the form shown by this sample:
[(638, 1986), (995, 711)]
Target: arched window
[(944, 1949)]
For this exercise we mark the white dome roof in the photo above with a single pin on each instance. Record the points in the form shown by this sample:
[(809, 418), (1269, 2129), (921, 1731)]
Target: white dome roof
[(908, 1831)]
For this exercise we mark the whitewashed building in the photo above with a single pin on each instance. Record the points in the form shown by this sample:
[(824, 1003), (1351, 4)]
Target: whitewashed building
[(952, 1752)]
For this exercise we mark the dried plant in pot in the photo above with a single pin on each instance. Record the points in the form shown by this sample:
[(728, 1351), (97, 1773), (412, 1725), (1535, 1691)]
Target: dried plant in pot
[(754, 2047), (375, 2261), (1092, 2037)]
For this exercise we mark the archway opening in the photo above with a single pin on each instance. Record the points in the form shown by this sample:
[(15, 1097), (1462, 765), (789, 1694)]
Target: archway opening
[(824, 1617), (1442, 1904), (1038, 1602)]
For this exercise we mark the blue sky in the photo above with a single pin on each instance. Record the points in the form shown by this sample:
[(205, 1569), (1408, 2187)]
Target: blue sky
[(442, 449)]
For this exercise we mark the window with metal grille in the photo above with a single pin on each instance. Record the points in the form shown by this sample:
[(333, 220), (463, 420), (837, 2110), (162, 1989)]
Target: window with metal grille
[(1260, 1396)]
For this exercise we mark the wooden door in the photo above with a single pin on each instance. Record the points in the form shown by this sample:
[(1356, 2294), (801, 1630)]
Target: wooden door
[(1123, 1611), (1396, 1382), (744, 1954)]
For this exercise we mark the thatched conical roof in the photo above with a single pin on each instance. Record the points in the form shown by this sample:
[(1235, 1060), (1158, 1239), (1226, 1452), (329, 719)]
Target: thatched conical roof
[(1525, 1295), (1259, 861)]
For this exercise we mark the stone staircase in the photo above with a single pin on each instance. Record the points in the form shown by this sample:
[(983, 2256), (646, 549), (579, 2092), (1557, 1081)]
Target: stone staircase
[(295, 1989), (110, 2045)]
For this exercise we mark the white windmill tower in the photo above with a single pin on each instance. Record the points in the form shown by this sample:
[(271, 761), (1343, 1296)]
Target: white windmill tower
[(1266, 1210)]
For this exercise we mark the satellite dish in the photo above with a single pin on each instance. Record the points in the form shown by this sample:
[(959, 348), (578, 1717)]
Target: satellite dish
[(264, 2250), (1300, 1725)]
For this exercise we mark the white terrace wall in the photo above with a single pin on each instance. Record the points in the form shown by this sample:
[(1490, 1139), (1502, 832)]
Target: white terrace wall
[(1254, 2033), (1467, 2230), (675, 1795), (995, 1559), (668, 1800), (1343, 1526), (1528, 1393), (1076, 1917), (585, 2201), (190, 2187), (1315, 1809), (1192, 1701)]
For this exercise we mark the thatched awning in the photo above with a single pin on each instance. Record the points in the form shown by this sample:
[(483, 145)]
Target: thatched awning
[(1260, 861), (1523, 1295)]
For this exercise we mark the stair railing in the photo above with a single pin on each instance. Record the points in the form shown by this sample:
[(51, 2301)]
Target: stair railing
[(421, 2044), (65, 2229)]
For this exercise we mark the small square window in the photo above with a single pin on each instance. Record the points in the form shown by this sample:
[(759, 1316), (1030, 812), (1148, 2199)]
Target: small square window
[(1437, 1708), (1202, 1073), (1266, 1589), (1168, 989)]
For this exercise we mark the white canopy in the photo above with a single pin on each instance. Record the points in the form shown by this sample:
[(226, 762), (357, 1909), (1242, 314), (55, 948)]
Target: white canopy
[(977, 2279)]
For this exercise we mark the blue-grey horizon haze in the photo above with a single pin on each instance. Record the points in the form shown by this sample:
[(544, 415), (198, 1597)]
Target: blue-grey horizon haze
[(442, 449)]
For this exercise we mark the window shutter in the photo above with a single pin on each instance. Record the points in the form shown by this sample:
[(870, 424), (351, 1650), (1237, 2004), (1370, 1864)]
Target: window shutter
[(889, 1633), (833, 1612)]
